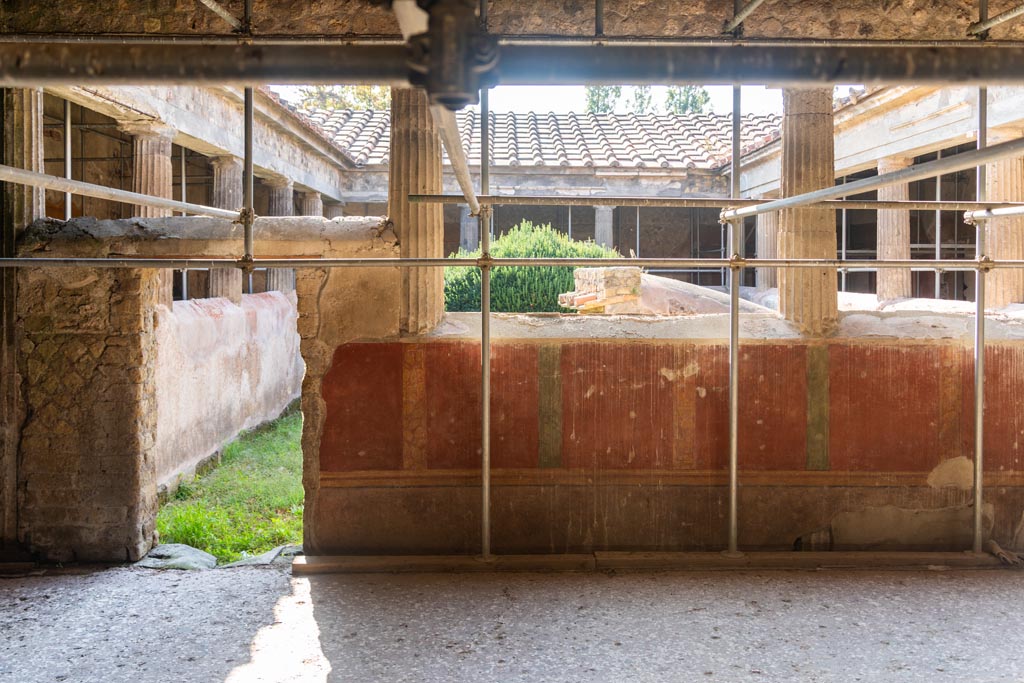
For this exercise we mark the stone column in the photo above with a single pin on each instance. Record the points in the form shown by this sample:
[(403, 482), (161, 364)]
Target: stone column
[(23, 148), (603, 225), (152, 175), (415, 168), (893, 234), (334, 210), (227, 194), (310, 204), (282, 203), (227, 182), (469, 229), (767, 247), (808, 296), (1004, 237)]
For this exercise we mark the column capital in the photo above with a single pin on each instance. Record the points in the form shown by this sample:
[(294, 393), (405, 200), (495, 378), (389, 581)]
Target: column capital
[(226, 161), (147, 129), (894, 163), (278, 182)]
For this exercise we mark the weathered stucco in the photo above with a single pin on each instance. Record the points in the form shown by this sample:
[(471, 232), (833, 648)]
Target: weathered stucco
[(220, 368), (87, 353), (89, 357), (863, 19)]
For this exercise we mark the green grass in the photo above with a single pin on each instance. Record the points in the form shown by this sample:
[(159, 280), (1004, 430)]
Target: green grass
[(248, 504)]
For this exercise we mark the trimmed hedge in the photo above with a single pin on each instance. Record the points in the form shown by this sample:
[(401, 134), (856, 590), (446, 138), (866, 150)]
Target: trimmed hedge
[(520, 289)]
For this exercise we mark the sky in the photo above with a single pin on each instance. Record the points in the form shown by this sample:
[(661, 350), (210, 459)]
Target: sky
[(562, 99)]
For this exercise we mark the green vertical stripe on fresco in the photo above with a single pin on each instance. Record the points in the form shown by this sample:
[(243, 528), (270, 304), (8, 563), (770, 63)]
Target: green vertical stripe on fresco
[(549, 405), (817, 407)]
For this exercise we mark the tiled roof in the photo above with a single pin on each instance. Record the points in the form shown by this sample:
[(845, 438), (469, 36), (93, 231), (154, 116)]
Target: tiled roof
[(652, 141)]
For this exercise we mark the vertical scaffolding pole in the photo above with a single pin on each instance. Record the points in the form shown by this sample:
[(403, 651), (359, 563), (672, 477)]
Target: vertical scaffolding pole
[(938, 232), (184, 178), (735, 231), (484, 226), (67, 157), (248, 214), (979, 330), (842, 247)]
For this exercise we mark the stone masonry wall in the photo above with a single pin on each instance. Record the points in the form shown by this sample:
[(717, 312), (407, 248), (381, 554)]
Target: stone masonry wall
[(87, 486)]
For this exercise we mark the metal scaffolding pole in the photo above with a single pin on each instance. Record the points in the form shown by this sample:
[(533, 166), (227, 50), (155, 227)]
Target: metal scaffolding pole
[(43, 63), (484, 227), (202, 262), (981, 26), (979, 331), (957, 162), (23, 177), (741, 15), (938, 231), (248, 213), (703, 203), (67, 157), (183, 179), (735, 272)]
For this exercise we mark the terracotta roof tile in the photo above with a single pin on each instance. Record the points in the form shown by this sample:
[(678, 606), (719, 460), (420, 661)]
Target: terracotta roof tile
[(656, 141)]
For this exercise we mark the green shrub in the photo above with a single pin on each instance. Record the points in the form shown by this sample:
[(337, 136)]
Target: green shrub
[(520, 289)]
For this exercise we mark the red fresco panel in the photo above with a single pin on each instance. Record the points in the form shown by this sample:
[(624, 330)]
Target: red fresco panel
[(773, 407), (1004, 423), (617, 405), (363, 420), (711, 405), (884, 408), (453, 395)]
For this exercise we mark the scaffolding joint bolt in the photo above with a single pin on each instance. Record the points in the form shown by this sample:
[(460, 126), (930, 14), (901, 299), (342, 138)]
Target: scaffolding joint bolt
[(485, 261), (247, 264), (985, 264), (737, 262)]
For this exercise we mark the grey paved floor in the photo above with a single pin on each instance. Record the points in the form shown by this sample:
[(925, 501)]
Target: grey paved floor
[(260, 624)]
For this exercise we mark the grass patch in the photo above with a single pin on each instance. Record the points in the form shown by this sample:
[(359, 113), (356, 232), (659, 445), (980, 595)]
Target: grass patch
[(250, 503)]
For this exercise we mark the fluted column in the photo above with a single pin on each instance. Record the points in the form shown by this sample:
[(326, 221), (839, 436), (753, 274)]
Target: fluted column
[(334, 210), (227, 182), (152, 175), (808, 296), (1004, 237), (311, 204), (227, 194), (23, 131), (604, 233), (893, 233), (767, 247), (469, 229), (415, 168), (23, 148), (282, 203)]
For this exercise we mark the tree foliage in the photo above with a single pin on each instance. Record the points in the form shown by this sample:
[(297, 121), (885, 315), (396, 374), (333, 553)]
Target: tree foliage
[(520, 289), (377, 97), (601, 99), (641, 103), (686, 99)]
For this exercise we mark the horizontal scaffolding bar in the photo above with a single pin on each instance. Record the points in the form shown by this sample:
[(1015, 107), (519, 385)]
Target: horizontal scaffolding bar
[(518, 40), (202, 263), (958, 162), (25, 64), (703, 203), (21, 176), (971, 217)]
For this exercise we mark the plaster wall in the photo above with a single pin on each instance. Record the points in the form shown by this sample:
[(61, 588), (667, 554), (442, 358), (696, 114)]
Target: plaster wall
[(612, 435), (220, 368)]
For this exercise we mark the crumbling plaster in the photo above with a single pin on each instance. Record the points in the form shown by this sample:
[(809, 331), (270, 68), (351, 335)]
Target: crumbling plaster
[(817, 19)]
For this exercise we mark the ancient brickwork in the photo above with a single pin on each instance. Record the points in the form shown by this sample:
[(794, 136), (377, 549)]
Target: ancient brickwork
[(86, 486)]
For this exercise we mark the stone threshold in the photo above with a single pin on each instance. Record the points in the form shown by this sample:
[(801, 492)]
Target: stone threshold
[(645, 561)]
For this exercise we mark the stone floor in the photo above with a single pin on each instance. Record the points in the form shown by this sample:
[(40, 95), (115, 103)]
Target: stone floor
[(260, 624)]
